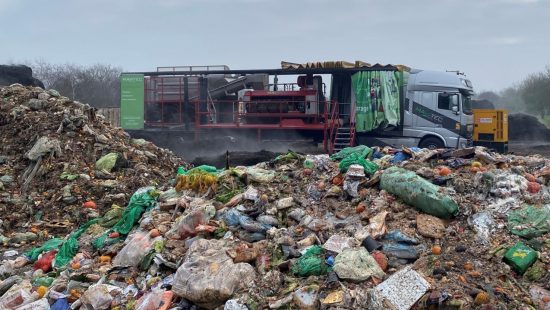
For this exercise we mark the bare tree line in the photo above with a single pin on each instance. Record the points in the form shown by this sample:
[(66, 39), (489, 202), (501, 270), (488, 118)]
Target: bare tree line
[(97, 85), (532, 95)]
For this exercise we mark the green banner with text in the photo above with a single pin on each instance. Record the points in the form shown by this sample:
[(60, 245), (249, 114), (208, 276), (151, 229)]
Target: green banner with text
[(131, 101)]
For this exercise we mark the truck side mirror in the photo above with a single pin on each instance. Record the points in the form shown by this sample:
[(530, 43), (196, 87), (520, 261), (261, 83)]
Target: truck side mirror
[(454, 109)]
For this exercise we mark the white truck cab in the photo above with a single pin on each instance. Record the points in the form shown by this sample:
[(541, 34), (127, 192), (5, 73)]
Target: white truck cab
[(436, 112)]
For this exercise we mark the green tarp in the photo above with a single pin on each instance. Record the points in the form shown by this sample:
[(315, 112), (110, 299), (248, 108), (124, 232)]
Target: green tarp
[(377, 98)]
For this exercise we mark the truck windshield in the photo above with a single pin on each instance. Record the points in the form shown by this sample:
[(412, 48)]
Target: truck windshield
[(466, 104)]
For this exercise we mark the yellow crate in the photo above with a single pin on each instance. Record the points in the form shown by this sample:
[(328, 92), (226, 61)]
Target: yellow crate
[(490, 125)]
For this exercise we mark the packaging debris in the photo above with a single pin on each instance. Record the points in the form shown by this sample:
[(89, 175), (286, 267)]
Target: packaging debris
[(403, 288)]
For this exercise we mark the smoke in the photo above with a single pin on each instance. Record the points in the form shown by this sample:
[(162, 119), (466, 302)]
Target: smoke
[(243, 145)]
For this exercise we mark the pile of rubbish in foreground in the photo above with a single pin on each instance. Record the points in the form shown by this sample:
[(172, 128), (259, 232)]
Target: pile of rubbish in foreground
[(365, 228), (56, 154)]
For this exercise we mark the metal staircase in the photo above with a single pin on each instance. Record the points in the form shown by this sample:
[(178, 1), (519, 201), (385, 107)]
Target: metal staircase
[(211, 109), (341, 130), (342, 139)]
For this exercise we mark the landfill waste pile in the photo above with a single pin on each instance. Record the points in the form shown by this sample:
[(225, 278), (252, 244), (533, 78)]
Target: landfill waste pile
[(365, 228), (61, 164)]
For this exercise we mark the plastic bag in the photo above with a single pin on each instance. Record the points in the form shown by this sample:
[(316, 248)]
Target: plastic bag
[(204, 168), (260, 175), (520, 257), (150, 301), (418, 192), (312, 263), (106, 162), (45, 262), (356, 265), (361, 150), (41, 304), (529, 221), (61, 304), (111, 217), (483, 225), (70, 247), (358, 159), (17, 295), (135, 250), (208, 277), (99, 296), (186, 225), (49, 245), (142, 200)]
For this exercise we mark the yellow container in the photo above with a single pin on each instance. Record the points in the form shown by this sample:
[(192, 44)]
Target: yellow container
[(491, 129), (490, 125)]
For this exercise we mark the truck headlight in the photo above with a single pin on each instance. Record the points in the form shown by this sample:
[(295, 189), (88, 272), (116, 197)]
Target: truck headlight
[(470, 128)]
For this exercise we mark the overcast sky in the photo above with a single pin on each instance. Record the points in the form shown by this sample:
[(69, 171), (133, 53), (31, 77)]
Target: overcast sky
[(495, 42)]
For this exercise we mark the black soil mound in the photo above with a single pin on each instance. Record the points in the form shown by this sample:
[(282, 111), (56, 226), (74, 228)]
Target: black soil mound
[(524, 127)]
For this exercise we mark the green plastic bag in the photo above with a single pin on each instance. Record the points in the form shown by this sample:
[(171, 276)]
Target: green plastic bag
[(49, 245), (312, 263), (360, 150), (107, 162), (530, 221), (43, 281), (288, 156), (142, 200), (111, 217), (355, 159), (205, 168), (520, 257), (417, 192), (70, 247)]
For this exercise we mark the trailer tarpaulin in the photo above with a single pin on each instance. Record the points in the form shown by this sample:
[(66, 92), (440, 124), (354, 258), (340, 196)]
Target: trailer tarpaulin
[(377, 99)]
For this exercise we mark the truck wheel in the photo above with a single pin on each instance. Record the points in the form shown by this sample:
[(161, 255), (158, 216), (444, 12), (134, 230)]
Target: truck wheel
[(431, 143)]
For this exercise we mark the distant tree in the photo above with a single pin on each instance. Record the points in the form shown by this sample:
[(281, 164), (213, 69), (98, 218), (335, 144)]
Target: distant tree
[(489, 95), (535, 91), (511, 99), (97, 85)]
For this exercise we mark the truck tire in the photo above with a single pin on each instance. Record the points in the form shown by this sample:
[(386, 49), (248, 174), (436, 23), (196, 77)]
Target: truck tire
[(431, 143)]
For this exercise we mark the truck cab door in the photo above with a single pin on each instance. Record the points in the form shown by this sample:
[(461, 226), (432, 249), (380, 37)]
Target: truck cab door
[(448, 105), (423, 103)]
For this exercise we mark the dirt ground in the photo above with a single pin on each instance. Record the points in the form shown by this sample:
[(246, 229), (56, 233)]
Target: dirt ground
[(530, 148)]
